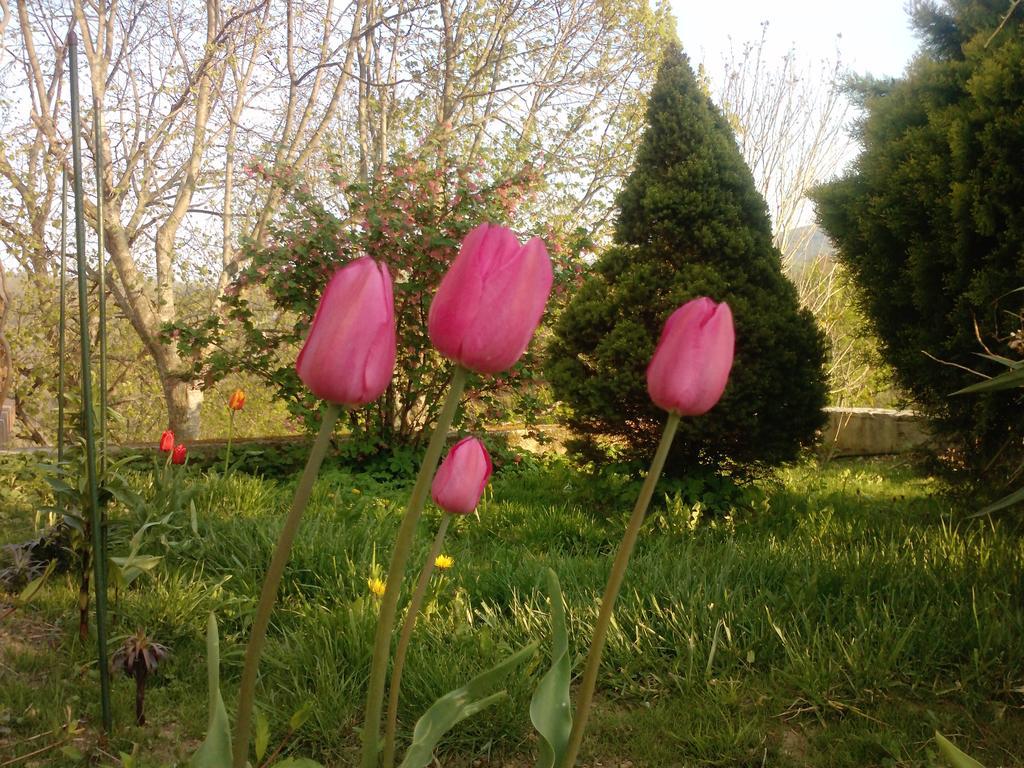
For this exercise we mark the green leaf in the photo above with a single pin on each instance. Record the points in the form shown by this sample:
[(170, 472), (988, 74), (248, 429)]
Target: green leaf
[(457, 705), (262, 734), (1001, 360), (1009, 380), (300, 716), (142, 562), (71, 752), (297, 762), (28, 594), (551, 706), (1007, 501), (954, 756), (215, 751), (60, 487), (127, 497)]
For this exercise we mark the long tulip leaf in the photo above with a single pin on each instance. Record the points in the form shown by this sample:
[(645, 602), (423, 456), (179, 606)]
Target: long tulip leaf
[(215, 751), (459, 704), (1008, 380), (551, 707), (954, 756), (1007, 501)]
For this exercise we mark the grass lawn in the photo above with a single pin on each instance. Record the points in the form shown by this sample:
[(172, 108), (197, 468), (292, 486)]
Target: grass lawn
[(838, 619)]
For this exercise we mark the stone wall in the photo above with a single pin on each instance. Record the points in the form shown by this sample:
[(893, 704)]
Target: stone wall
[(6, 423), (873, 432)]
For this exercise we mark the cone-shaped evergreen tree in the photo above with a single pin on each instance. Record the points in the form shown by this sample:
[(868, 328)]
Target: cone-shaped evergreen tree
[(691, 223)]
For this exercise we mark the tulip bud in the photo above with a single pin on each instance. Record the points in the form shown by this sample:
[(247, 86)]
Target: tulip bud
[(490, 302), (690, 366), (459, 483), (349, 354), (237, 400), (166, 441), (179, 454)]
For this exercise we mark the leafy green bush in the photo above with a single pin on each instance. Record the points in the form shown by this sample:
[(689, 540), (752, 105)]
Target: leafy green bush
[(929, 223), (412, 216), (691, 224)]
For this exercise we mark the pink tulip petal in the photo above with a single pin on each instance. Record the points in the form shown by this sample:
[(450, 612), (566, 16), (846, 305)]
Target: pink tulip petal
[(349, 353), (462, 477), (451, 315), (691, 363), (490, 302)]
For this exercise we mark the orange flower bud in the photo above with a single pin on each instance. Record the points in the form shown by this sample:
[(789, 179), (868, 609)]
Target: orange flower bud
[(237, 400)]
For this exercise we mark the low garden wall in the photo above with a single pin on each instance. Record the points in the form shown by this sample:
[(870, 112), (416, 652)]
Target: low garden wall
[(873, 432), (849, 432)]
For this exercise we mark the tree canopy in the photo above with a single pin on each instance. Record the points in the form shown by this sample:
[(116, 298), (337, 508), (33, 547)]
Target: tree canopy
[(929, 222), (691, 223)]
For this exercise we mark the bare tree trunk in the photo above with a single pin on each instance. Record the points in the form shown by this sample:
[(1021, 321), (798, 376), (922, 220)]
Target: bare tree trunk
[(184, 401), (6, 362)]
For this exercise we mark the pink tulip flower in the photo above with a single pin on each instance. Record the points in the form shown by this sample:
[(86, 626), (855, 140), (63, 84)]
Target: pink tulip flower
[(460, 482), (349, 354), (491, 300), (691, 363)]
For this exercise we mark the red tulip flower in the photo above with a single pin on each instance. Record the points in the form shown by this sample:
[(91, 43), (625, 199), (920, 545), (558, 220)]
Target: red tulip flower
[(179, 454), (349, 354), (691, 363), (166, 441), (237, 400), (491, 300), (460, 482)]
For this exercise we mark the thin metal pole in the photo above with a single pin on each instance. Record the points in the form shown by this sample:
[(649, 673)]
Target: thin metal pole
[(61, 345), (98, 121), (98, 555)]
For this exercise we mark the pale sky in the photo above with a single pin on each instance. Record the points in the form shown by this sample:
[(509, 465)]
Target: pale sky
[(873, 35)]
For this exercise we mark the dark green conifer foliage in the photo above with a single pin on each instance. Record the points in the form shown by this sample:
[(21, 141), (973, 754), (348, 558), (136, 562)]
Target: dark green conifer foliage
[(930, 222), (691, 223)]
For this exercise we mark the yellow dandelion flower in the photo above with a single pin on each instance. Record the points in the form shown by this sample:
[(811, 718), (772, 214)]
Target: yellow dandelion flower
[(444, 562), (377, 587)]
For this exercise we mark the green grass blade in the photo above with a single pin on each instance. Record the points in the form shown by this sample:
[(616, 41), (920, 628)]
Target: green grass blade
[(1007, 501), (954, 756), (1008, 380), (551, 707), (28, 594), (215, 751), (262, 735), (457, 705)]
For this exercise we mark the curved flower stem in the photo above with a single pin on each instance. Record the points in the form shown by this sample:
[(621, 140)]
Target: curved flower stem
[(396, 571), (268, 596), (391, 721), (611, 591)]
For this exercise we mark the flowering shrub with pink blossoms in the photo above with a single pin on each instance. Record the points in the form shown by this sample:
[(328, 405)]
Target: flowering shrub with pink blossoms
[(411, 217)]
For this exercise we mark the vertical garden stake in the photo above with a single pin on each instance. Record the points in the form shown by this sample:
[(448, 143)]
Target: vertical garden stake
[(98, 555), (61, 345), (100, 246)]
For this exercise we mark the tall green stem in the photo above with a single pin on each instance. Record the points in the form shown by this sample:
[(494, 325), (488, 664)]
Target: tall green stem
[(231, 433), (99, 554), (611, 591), (101, 276), (247, 692), (396, 571), (61, 342), (391, 722)]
